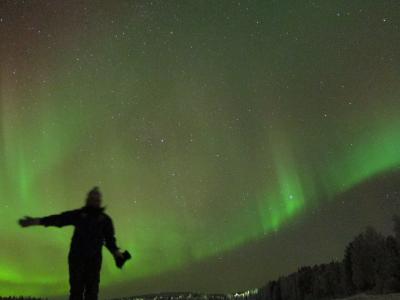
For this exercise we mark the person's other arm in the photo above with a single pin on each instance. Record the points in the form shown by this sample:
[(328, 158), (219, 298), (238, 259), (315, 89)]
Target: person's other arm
[(59, 220), (109, 236)]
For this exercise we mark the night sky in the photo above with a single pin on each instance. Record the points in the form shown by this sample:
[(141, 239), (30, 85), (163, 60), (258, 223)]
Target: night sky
[(233, 141)]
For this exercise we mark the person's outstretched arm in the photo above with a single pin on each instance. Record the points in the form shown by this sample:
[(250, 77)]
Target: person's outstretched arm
[(59, 220)]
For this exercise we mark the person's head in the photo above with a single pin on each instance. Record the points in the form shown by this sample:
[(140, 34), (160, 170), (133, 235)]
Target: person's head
[(93, 198)]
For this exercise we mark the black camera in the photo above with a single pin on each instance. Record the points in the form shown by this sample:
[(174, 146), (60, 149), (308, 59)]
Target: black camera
[(120, 261)]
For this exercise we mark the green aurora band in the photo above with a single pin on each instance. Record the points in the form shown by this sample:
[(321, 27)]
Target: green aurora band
[(34, 151)]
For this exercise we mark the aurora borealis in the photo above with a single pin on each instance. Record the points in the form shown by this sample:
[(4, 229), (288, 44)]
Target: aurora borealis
[(221, 133)]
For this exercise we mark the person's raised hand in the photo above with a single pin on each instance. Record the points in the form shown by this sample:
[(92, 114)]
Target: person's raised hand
[(28, 221)]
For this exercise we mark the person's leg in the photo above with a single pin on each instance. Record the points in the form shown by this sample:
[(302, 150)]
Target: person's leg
[(92, 277), (76, 280)]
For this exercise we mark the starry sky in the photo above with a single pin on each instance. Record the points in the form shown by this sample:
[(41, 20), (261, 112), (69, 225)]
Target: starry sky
[(233, 141)]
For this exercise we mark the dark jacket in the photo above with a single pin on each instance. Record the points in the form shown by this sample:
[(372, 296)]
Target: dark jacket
[(93, 228)]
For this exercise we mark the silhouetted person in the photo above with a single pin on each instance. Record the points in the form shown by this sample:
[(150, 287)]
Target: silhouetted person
[(93, 228)]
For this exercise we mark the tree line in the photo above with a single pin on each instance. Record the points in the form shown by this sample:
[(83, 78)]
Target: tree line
[(371, 264)]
